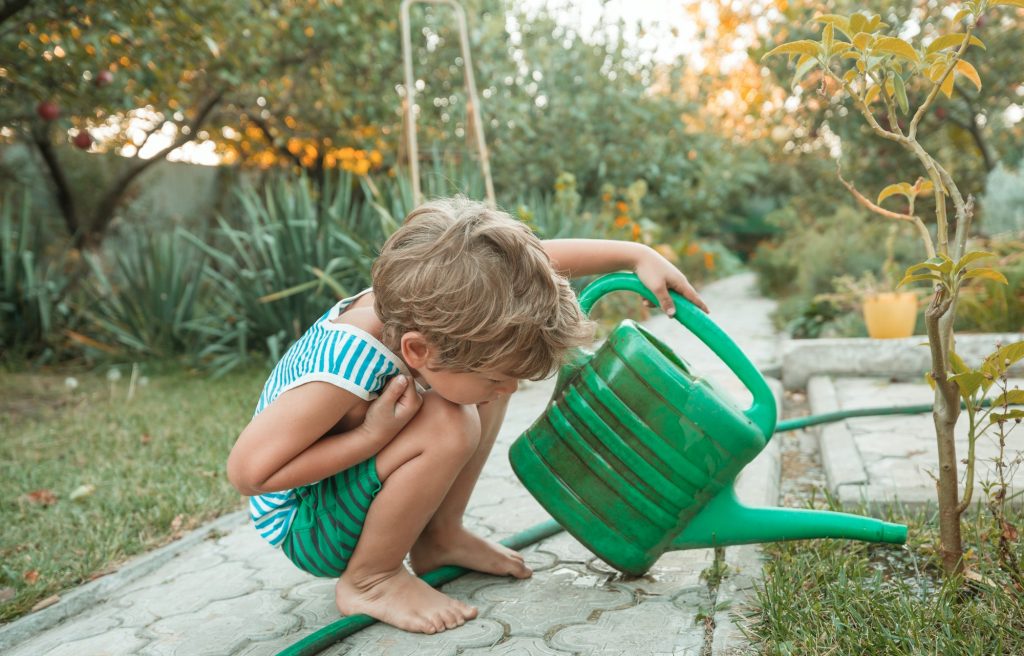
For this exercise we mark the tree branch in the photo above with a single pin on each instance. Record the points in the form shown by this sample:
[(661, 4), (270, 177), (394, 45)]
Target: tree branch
[(10, 7), (881, 211), (65, 198), (110, 200), (972, 127)]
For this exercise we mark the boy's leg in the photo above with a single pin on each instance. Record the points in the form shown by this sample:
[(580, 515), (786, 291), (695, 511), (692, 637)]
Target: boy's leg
[(444, 540), (417, 469)]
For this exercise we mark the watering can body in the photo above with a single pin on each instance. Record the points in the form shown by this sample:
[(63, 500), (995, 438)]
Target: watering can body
[(636, 454)]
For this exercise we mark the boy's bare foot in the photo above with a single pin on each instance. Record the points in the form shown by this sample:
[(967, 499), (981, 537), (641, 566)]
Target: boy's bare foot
[(401, 600), (462, 548)]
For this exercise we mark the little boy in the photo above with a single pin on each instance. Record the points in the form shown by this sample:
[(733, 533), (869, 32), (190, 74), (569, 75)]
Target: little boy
[(350, 467)]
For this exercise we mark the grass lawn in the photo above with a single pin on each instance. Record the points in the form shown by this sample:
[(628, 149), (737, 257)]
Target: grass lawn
[(845, 597), (89, 478)]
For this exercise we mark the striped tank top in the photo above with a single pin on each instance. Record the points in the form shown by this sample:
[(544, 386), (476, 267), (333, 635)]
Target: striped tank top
[(329, 352)]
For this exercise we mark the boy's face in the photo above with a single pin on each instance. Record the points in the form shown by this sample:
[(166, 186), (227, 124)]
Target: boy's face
[(462, 387), (469, 387)]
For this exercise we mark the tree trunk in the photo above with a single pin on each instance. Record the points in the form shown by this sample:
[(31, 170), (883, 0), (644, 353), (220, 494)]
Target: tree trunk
[(945, 414)]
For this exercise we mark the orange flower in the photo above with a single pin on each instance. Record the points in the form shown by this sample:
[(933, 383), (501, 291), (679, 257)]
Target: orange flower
[(621, 207), (709, 261), (636, 232), (606, 196), (621, 221), (692, 249)]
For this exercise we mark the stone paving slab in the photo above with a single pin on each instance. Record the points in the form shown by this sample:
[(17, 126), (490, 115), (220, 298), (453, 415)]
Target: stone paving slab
[(889, 459), (226, 592)]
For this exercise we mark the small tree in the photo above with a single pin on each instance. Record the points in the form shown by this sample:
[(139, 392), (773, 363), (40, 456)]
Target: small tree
[(881, 73)]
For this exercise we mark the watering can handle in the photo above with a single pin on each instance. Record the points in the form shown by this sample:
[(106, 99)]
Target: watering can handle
[(762, 412)]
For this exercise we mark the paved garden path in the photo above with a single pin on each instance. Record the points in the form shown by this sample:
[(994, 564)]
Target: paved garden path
[(894, 459), (222, 591)]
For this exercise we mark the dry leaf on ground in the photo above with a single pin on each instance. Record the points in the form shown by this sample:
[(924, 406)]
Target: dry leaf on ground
[(45, 603), (41, 497)]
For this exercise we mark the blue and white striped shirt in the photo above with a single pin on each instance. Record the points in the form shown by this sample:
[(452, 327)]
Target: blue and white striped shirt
[(330, 352)]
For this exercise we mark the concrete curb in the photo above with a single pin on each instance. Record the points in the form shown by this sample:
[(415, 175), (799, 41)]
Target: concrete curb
[(803, 359), (90, 594), (840, 457)]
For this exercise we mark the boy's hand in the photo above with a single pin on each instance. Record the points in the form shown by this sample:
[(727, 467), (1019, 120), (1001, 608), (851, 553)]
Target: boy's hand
[(659, 275), (392, 410)]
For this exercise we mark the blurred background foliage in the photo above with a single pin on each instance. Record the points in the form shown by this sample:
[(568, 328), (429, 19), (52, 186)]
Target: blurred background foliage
[(707, 157)]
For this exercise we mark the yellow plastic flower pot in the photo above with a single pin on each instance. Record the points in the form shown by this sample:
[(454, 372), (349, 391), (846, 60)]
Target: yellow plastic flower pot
[(890, 314)]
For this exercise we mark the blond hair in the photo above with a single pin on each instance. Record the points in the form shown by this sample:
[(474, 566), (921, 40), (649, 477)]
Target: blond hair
[(479, 286)]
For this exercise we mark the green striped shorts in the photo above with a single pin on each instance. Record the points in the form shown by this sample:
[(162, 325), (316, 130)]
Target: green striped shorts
[(329, 519)]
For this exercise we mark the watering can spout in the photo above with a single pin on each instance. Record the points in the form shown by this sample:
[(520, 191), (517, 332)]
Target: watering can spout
[(725, 522)]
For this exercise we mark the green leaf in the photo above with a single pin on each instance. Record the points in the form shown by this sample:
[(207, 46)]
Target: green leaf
[(973, 256), (899, 188), (1012, 415), (863, 40), (891, 45), (960, 15), (1001, 359), (940, 264), (803, 47), (950, 41), (1009, 397), (840, 22), (803, 67), (901, 93), (857, 23), (919, 278), (986, 274), (968, 382)]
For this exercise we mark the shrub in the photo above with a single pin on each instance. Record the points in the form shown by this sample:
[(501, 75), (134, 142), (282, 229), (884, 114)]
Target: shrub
[(32, 283), (143, 299), (284, 258), (803, 262), (1003, 201)]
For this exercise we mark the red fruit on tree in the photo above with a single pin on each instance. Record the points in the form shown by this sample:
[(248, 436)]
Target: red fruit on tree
[(940, 113), (82, 140), (103, 78), (47, 110)]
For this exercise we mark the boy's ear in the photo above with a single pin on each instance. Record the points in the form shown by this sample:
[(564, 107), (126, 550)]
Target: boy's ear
[(415, 350)]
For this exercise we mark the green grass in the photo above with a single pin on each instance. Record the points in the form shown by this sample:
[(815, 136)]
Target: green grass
[(157, 464), (844, 597)]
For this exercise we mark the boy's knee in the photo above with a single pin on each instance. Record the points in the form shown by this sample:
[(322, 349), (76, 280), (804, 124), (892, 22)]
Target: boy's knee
[(454, 426)]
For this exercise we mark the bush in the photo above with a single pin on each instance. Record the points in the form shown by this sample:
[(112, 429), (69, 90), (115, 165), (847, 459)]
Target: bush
[(988, 306), (32, 283), (148, 305), (1003, 201), (811, 252), (286, 256)]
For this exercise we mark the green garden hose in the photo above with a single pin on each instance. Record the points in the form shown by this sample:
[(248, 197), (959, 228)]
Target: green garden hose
[(829, 417)]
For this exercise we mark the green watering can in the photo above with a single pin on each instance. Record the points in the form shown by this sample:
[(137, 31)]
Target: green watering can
[(636, 455)]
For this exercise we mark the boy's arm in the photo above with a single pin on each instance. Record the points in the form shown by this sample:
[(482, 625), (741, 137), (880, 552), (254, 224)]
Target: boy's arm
[(286, 445), (584, 257)]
